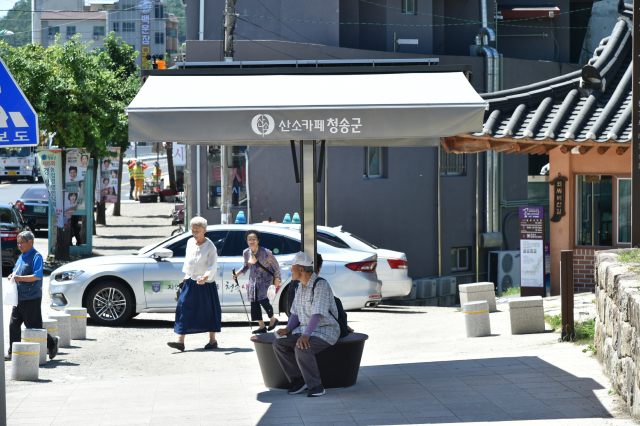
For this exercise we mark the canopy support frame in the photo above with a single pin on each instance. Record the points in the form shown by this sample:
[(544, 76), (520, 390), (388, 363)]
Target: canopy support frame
[(308, 200)]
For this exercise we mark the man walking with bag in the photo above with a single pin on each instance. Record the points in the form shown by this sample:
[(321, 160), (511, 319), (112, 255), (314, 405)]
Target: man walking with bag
[(27, 274), (312, 328)]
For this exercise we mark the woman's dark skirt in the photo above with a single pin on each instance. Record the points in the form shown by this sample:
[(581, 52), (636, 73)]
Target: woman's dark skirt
[(198, 309)]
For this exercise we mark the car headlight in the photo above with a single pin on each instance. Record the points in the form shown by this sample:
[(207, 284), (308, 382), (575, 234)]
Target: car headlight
[(68, 275), (27, 167)]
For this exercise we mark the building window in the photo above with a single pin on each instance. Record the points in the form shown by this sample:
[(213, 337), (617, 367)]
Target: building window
[(159, 11), (53, 31), (452, 164), (373, 159), (594, 210), (460, 259), (116, 27), (409, 7), (98, 31), (237, 169), (159, 38), (174, 32), (128, 27), (624, 211), (71, 31)]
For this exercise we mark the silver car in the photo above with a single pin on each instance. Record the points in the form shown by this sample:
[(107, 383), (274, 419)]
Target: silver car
[(115, 288)]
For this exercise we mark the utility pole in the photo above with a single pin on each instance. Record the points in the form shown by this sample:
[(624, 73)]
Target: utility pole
[(230, 17), (226, 173)]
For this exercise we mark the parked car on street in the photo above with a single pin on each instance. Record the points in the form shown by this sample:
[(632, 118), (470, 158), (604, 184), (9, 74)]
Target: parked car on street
[(11, 224), (114, 288), (392, 270), (34, 206)]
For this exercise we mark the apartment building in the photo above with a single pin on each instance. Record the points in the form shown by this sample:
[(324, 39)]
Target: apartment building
[(144, 24)]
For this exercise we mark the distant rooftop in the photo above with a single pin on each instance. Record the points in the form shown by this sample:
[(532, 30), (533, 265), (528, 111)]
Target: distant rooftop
[(70, 15)]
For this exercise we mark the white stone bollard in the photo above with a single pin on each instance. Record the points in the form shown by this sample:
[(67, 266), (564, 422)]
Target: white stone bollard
[(51, 326), (64, 329), (24, 360), (478, 291), (78, 322), (476, 318), (39, 336), (527, 315)]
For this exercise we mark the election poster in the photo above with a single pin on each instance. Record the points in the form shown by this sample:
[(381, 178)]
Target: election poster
[(109, 182), (76, 168), (50, 162)]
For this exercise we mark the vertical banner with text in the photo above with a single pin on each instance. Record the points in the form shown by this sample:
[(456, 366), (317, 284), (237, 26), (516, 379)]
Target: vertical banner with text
[(76, 164), (109, 182), (50, 162), (532, 251)]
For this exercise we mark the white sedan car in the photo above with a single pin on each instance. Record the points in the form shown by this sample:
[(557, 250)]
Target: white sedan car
[(392, 267), (115, 288)]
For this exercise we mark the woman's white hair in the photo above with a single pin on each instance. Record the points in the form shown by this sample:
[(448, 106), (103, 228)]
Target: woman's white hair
[(199, 221)]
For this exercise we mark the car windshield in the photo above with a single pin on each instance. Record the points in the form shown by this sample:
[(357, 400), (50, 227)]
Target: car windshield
[(332, 240), (36, 194), (15, 152), (5, 215), (158, 245), (364, 242)]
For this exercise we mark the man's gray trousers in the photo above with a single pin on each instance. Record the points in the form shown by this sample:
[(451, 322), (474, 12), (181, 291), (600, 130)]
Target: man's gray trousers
[(298, 362)]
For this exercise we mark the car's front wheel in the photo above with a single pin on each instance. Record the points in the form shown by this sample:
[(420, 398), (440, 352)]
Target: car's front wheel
[(110, 303)]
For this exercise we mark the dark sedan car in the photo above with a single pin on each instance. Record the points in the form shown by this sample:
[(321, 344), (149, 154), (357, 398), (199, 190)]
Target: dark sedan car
[(34, 206), (11, 224)]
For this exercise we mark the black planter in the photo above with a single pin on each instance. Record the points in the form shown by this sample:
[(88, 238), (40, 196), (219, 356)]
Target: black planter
[(338, 364)]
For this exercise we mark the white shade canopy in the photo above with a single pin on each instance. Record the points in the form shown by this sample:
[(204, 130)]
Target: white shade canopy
[(400, 109)]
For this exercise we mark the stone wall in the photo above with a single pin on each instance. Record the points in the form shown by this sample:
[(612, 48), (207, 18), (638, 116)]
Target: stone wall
[(617, 334)]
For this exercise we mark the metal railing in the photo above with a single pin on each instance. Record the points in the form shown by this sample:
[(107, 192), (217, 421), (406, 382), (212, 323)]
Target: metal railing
[(452, 164)]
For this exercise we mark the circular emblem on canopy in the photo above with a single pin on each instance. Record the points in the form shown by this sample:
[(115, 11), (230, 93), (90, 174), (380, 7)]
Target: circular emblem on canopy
[(145, 6), (263, 124)]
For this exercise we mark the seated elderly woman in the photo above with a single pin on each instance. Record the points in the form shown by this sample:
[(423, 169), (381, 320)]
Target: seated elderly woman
[(198, 309)]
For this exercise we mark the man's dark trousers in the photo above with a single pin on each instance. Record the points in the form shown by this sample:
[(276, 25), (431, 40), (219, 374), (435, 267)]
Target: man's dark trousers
[(28, 312)]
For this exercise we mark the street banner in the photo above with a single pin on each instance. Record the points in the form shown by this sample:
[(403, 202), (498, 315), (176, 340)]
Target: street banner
[(50, 162), (76, 165), (109, 182), (532, 265), (179, 155)]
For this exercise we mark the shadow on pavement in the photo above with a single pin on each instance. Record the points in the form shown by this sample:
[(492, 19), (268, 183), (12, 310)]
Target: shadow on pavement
[(476, 390)]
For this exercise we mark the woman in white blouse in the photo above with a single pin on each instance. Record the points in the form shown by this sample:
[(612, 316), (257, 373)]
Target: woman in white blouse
[(198, 309)]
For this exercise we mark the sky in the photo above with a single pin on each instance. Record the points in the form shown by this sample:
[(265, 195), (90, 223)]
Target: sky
[(5, 5)]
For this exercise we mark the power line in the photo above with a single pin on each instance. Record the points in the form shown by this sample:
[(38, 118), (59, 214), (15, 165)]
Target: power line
[(280, 35), (263, 45)]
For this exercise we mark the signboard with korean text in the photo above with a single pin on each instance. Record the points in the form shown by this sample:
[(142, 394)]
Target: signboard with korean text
[(179, 155), (145, 7), (50, 162), (558, 194), (109, 182), (532, 260), (18, 119)]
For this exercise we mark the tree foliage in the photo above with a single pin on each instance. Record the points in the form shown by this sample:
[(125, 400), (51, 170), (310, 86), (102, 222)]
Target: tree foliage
[(78, 94), (18, 20)]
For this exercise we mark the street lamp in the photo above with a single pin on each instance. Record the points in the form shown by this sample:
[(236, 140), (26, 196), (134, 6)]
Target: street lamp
[(6, 33)]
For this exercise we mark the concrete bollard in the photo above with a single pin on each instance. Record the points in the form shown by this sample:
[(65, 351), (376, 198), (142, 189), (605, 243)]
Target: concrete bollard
[(51, 326), (476, 318), (39, 336), (78, 322), (24, 360), (64, 329)]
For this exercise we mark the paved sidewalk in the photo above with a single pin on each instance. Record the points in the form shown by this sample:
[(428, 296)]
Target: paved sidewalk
[(140, 224)]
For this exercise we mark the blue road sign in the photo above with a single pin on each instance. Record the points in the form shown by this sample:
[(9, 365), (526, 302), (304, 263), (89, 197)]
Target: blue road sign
[(18, 119)]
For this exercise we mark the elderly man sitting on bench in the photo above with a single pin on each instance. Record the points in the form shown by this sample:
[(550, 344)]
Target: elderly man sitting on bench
[(312, 328)]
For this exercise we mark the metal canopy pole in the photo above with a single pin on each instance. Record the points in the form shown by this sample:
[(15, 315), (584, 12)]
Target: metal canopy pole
[(308, 198)]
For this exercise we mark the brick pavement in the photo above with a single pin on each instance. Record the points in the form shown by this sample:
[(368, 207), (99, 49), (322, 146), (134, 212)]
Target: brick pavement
[(139, 225)]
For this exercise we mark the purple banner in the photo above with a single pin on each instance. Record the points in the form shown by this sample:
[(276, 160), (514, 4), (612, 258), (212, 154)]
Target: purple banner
[(531, 212)]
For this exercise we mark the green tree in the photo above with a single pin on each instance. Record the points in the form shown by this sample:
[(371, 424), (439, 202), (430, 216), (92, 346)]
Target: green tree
[(78, 94)]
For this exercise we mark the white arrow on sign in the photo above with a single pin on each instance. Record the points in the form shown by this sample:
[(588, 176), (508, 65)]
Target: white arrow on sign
[(16, 117)]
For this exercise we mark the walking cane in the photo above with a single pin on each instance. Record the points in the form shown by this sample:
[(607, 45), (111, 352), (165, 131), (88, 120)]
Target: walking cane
[(242, 298)]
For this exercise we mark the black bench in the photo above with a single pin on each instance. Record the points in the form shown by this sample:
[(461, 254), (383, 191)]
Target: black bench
[(338, 364)]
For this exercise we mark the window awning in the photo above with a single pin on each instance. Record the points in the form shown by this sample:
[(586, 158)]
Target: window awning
[(411, 109)]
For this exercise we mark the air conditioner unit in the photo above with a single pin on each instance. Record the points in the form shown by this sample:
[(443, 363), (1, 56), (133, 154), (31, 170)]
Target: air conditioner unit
[(69, 37), (426, 289), (96, 37), (51, 37), (413, 292), (504, 269), (446, 286)]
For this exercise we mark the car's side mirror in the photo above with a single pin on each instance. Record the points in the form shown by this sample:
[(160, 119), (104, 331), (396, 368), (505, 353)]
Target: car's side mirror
[(162, 253)]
